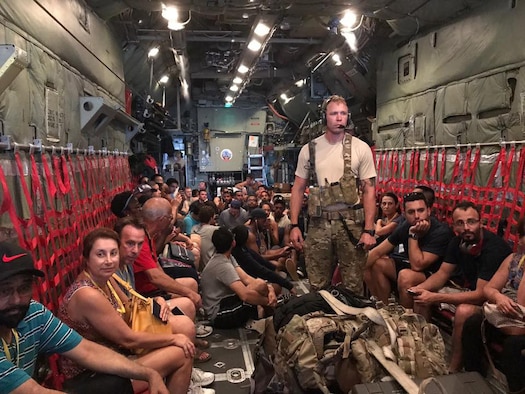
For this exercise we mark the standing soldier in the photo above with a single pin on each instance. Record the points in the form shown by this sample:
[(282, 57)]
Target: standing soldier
[(333, 165)]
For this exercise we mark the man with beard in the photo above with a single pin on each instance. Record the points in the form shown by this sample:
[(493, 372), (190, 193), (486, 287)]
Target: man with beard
[(425, 240), (472, 258), (28, 329)]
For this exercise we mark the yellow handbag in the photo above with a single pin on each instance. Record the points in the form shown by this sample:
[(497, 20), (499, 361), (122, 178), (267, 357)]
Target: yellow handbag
[(141, 314)]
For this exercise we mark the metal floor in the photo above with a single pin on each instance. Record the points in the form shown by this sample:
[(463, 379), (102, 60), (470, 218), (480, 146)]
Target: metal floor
[(232, 356)]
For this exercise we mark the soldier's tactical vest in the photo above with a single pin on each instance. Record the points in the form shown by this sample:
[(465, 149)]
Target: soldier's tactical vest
[(343, 192)]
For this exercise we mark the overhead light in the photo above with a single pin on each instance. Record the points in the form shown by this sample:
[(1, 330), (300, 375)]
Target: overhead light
[(243, 69), (351, 40), (237, 80), (261, 29), (234, 88), (284, 96), (254, 45), (337, 59), (349, 19), (153, 52), (164, 79), (175, 25), (245, 16), (170, 12), (172, 15), (300, 83), (229, 99)]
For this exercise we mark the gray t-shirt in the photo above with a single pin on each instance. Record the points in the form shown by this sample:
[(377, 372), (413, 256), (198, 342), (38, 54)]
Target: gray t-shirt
[(216, 279), (207, 249), (227, 220)]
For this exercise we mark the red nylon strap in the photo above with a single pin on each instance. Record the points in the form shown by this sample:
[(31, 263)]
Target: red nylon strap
[(7, 206), (40, 240), (426, 165), (31, 221), (435, 165), (58, 171)]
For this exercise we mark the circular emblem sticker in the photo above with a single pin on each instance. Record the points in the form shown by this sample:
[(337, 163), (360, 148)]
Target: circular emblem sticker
[(226, 154)]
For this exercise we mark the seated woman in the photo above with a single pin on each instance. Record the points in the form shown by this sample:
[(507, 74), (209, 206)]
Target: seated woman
[(254, 264), (506, 289), (389, 216), (94, 306)]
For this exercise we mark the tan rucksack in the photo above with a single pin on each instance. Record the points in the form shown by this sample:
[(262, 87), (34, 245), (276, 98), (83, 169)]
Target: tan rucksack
[(309, 347)]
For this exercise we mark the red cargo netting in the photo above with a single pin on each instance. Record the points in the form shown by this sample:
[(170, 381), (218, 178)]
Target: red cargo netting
[(490, 176)]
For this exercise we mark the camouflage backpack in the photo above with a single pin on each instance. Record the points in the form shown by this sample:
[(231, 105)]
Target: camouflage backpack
[(403, 336), (309, 347), (417, 346)]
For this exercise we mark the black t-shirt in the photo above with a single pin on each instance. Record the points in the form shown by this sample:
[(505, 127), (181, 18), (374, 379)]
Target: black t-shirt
[(470, 268), (435, 240)]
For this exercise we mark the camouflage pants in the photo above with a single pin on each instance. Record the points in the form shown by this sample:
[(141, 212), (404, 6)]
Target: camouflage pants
[(328, 243)]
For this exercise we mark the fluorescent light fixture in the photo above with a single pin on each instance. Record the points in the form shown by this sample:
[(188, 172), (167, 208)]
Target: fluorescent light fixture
[(349, 19), (337, 59), (254, 45), (164, 79), (229, 99), (261, 29), (174, 24), (243, 69), (170, 13), (153, 52), (237, 80), (351, 40), (234, 88)]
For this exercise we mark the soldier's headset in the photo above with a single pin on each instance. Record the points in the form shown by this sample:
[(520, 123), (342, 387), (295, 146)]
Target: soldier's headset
[(325, 103)]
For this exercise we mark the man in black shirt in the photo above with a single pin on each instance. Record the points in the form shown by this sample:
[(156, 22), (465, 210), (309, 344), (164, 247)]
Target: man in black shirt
[(472, 258), (425, 241)]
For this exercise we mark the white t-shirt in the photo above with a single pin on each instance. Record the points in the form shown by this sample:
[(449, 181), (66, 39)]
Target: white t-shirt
[(329, 162)]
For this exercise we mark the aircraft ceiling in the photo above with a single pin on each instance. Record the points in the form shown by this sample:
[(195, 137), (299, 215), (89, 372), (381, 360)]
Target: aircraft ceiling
[(305, 34)]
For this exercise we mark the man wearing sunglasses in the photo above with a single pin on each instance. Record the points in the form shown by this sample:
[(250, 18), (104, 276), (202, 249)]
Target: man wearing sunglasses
[(472, 258), (424, 239)]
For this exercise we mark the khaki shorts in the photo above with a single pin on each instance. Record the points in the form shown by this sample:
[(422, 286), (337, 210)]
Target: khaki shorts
[(450, 290)]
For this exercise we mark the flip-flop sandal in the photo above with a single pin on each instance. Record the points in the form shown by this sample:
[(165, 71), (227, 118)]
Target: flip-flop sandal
[(202, 343), (202, 331), (201, 356)]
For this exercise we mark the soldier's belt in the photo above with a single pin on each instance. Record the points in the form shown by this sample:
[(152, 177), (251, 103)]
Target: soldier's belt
[(336, 215)]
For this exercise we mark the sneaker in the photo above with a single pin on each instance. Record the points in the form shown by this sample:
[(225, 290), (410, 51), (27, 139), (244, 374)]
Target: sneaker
[(202, 331), (291, 268), (283, 299), (201, 378), (194, 389)]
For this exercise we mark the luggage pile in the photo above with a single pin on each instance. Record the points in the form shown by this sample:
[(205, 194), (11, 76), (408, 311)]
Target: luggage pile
[(325, 352)]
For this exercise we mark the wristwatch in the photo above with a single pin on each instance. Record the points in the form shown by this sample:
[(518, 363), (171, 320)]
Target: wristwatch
[(294, 225), (413, 236), (371, 232)]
